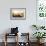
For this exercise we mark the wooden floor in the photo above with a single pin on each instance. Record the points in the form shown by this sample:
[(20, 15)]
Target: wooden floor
[(13, 44)]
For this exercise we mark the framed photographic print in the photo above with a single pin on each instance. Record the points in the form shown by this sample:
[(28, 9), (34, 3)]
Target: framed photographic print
[(41, 12), (18, 13), (41, 8)]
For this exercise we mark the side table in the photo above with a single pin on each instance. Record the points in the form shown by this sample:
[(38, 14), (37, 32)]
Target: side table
[(8, 34)]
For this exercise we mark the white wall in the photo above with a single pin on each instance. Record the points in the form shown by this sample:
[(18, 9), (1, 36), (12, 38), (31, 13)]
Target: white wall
[(24, 25)]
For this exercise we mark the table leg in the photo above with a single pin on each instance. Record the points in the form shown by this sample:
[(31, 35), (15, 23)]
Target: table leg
[(5, 40)]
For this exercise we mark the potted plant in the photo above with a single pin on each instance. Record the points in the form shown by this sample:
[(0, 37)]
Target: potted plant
[(39, 36), (42, 27), (38, 27), (35, 26)]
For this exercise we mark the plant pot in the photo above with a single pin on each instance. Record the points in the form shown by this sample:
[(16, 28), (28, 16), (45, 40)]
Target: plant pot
[(40, 41)]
